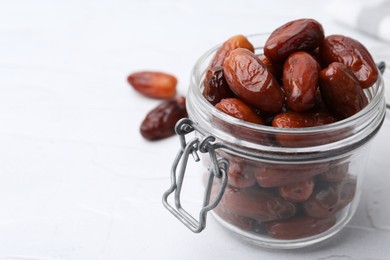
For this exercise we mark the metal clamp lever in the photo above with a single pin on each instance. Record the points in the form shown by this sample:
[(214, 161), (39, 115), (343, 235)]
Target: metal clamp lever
[(382, 67), (218, 169)]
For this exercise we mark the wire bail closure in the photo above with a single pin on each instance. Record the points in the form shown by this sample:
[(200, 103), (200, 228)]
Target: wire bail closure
[(218, 169)]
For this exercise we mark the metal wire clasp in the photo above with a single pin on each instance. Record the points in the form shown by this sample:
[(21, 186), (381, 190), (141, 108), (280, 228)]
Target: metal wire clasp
[(382, 67), (218, 169)]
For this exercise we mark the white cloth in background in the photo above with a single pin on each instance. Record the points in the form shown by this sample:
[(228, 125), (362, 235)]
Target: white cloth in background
[(369, 16)]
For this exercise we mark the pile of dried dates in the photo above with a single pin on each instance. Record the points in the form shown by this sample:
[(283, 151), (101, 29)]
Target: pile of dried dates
[(303, 79), (285, 201), (160, 122)]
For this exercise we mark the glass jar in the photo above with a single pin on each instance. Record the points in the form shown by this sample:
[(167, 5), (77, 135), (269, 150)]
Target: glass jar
[(278, 188)]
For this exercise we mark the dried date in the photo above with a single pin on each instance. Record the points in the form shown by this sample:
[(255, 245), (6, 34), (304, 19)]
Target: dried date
[(240, 175), (216, 87), (238, 109), (293, 119), (214, 82), (341, 90), (251, 81), (160, 122), (336, 173), (300, 81), (154, 84), (327, 200), (298, 191), (235, 42), (339, 48), (256, 204), (277, 175), (297, 35)]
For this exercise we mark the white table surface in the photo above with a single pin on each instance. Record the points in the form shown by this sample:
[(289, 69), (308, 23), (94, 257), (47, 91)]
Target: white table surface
[(77, 181)]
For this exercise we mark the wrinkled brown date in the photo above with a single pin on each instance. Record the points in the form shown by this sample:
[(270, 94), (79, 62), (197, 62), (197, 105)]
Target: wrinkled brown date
[(160, 122), (256, 204), (336, 173), (244, 223), (341, 90), (251, 81), (300, 81), (293, 119), (238, 109), (339, 48), (216, 88), (213, 79), (154, 84), (298, 191), (329, 199), (240, 175), (276, 175), (297, 35), (235, 42), (299, 227)]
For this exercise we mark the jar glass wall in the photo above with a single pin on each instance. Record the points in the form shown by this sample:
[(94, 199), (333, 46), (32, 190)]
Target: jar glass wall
[(287, 188)]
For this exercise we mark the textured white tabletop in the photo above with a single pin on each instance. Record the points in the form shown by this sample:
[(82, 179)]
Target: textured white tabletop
[(77, 181)]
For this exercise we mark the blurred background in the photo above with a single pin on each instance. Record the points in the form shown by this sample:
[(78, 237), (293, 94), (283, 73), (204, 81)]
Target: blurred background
[(77, 181)]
